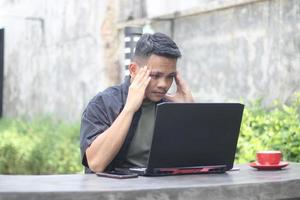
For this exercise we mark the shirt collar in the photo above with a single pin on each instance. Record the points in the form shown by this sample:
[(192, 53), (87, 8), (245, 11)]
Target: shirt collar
[(125, 85)]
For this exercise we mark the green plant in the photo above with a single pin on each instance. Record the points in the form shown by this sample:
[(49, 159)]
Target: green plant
[(40, 146), (48, 146), (272, 128)]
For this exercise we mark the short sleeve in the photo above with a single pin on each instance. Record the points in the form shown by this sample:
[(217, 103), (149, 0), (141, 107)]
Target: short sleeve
[(94, 121)]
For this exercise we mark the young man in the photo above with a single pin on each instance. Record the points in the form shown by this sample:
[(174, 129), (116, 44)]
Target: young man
[(117, 124)]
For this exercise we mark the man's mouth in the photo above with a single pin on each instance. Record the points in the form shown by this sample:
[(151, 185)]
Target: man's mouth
[(159, 93)]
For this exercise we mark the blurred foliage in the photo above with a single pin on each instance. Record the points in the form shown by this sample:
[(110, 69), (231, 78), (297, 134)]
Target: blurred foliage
[(273, 128), (47, 146), (40, 146)]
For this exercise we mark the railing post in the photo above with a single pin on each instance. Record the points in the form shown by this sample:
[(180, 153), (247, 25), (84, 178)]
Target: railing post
[(132, 35)]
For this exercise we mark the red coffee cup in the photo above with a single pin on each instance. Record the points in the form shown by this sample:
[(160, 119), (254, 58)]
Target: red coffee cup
[(268, 157)]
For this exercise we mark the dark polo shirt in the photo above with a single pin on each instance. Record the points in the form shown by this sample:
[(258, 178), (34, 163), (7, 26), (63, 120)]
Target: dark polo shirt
[(99, 115)]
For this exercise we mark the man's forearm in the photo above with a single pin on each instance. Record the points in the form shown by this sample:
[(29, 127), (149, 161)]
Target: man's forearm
[(106, 146)]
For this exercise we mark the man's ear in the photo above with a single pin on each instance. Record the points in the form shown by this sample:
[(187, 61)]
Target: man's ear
[(133, 69)]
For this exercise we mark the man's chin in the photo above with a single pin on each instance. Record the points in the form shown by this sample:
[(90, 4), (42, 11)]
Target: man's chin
[(155, 99)]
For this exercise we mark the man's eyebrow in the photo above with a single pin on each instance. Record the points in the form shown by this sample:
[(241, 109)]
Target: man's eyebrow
[(160, 73), (156, 72), (173, 74)]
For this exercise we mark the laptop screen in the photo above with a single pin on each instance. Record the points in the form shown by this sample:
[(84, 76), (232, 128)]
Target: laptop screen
[(195, 134)]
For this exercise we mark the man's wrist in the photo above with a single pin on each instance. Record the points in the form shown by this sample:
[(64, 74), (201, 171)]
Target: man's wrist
[(128, 111)]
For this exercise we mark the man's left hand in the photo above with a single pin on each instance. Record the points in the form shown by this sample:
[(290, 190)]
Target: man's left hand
[(183, 94)]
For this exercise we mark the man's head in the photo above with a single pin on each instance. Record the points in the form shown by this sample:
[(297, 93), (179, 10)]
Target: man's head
[(159, 53)]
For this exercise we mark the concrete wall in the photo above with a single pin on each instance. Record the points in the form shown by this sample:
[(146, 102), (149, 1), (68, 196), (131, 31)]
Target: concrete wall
[(234, 49), (54, 56), (60, 53), (251, 51)]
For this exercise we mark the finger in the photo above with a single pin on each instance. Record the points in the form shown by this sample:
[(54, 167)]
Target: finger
[(179, 82), (146, 83), (169, 97), (146, 79), (140, 74), (143, 80), (143, 77)]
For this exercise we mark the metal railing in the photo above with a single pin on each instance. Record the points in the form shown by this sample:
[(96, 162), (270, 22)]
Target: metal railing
[(132, 35)]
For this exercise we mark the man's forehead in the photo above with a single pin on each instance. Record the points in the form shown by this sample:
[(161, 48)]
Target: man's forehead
[(161, 71)]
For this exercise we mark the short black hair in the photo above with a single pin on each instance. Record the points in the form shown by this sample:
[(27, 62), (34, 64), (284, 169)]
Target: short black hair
[(158, 44)]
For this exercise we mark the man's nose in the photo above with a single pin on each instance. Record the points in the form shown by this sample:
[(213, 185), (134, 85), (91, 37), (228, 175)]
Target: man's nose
[(162, 83)]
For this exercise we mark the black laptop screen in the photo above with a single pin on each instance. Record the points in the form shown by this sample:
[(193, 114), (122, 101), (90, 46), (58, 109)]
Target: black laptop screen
[(195, 134)]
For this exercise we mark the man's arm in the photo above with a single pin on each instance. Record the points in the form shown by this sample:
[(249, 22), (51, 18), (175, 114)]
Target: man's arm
[(106, 146)]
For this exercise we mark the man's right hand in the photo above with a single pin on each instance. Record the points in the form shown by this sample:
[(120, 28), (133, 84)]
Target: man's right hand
[(136, 91), (106, 146)]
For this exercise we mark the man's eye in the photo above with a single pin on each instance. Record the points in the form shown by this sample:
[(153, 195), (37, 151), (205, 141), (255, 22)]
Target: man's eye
[(154, 76), (171, 77)]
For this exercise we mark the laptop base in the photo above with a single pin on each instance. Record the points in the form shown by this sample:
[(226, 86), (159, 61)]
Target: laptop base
[(179, 170)]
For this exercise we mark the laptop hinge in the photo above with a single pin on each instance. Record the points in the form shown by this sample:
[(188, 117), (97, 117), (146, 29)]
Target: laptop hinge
[(190, 170)]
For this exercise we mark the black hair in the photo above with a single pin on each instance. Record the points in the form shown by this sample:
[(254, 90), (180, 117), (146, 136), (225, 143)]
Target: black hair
[(158, 44)]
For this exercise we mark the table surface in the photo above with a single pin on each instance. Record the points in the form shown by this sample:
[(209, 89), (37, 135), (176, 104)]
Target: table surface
[(247, 183)]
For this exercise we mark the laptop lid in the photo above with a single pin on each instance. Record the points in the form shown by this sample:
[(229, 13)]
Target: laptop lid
[(195, 134)]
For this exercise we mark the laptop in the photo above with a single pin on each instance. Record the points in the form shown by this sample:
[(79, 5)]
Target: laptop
[(193, 138)]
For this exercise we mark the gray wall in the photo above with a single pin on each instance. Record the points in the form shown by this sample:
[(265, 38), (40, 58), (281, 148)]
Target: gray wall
[(53, 56), (60, 53), (249, 52), (245, 52)]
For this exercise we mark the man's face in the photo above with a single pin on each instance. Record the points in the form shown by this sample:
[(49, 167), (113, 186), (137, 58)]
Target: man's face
[(163, 71)]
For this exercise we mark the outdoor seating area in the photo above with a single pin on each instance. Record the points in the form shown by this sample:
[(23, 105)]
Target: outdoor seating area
[(150, 100)]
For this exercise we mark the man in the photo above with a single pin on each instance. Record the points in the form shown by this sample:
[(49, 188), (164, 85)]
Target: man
[(117, 124)]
